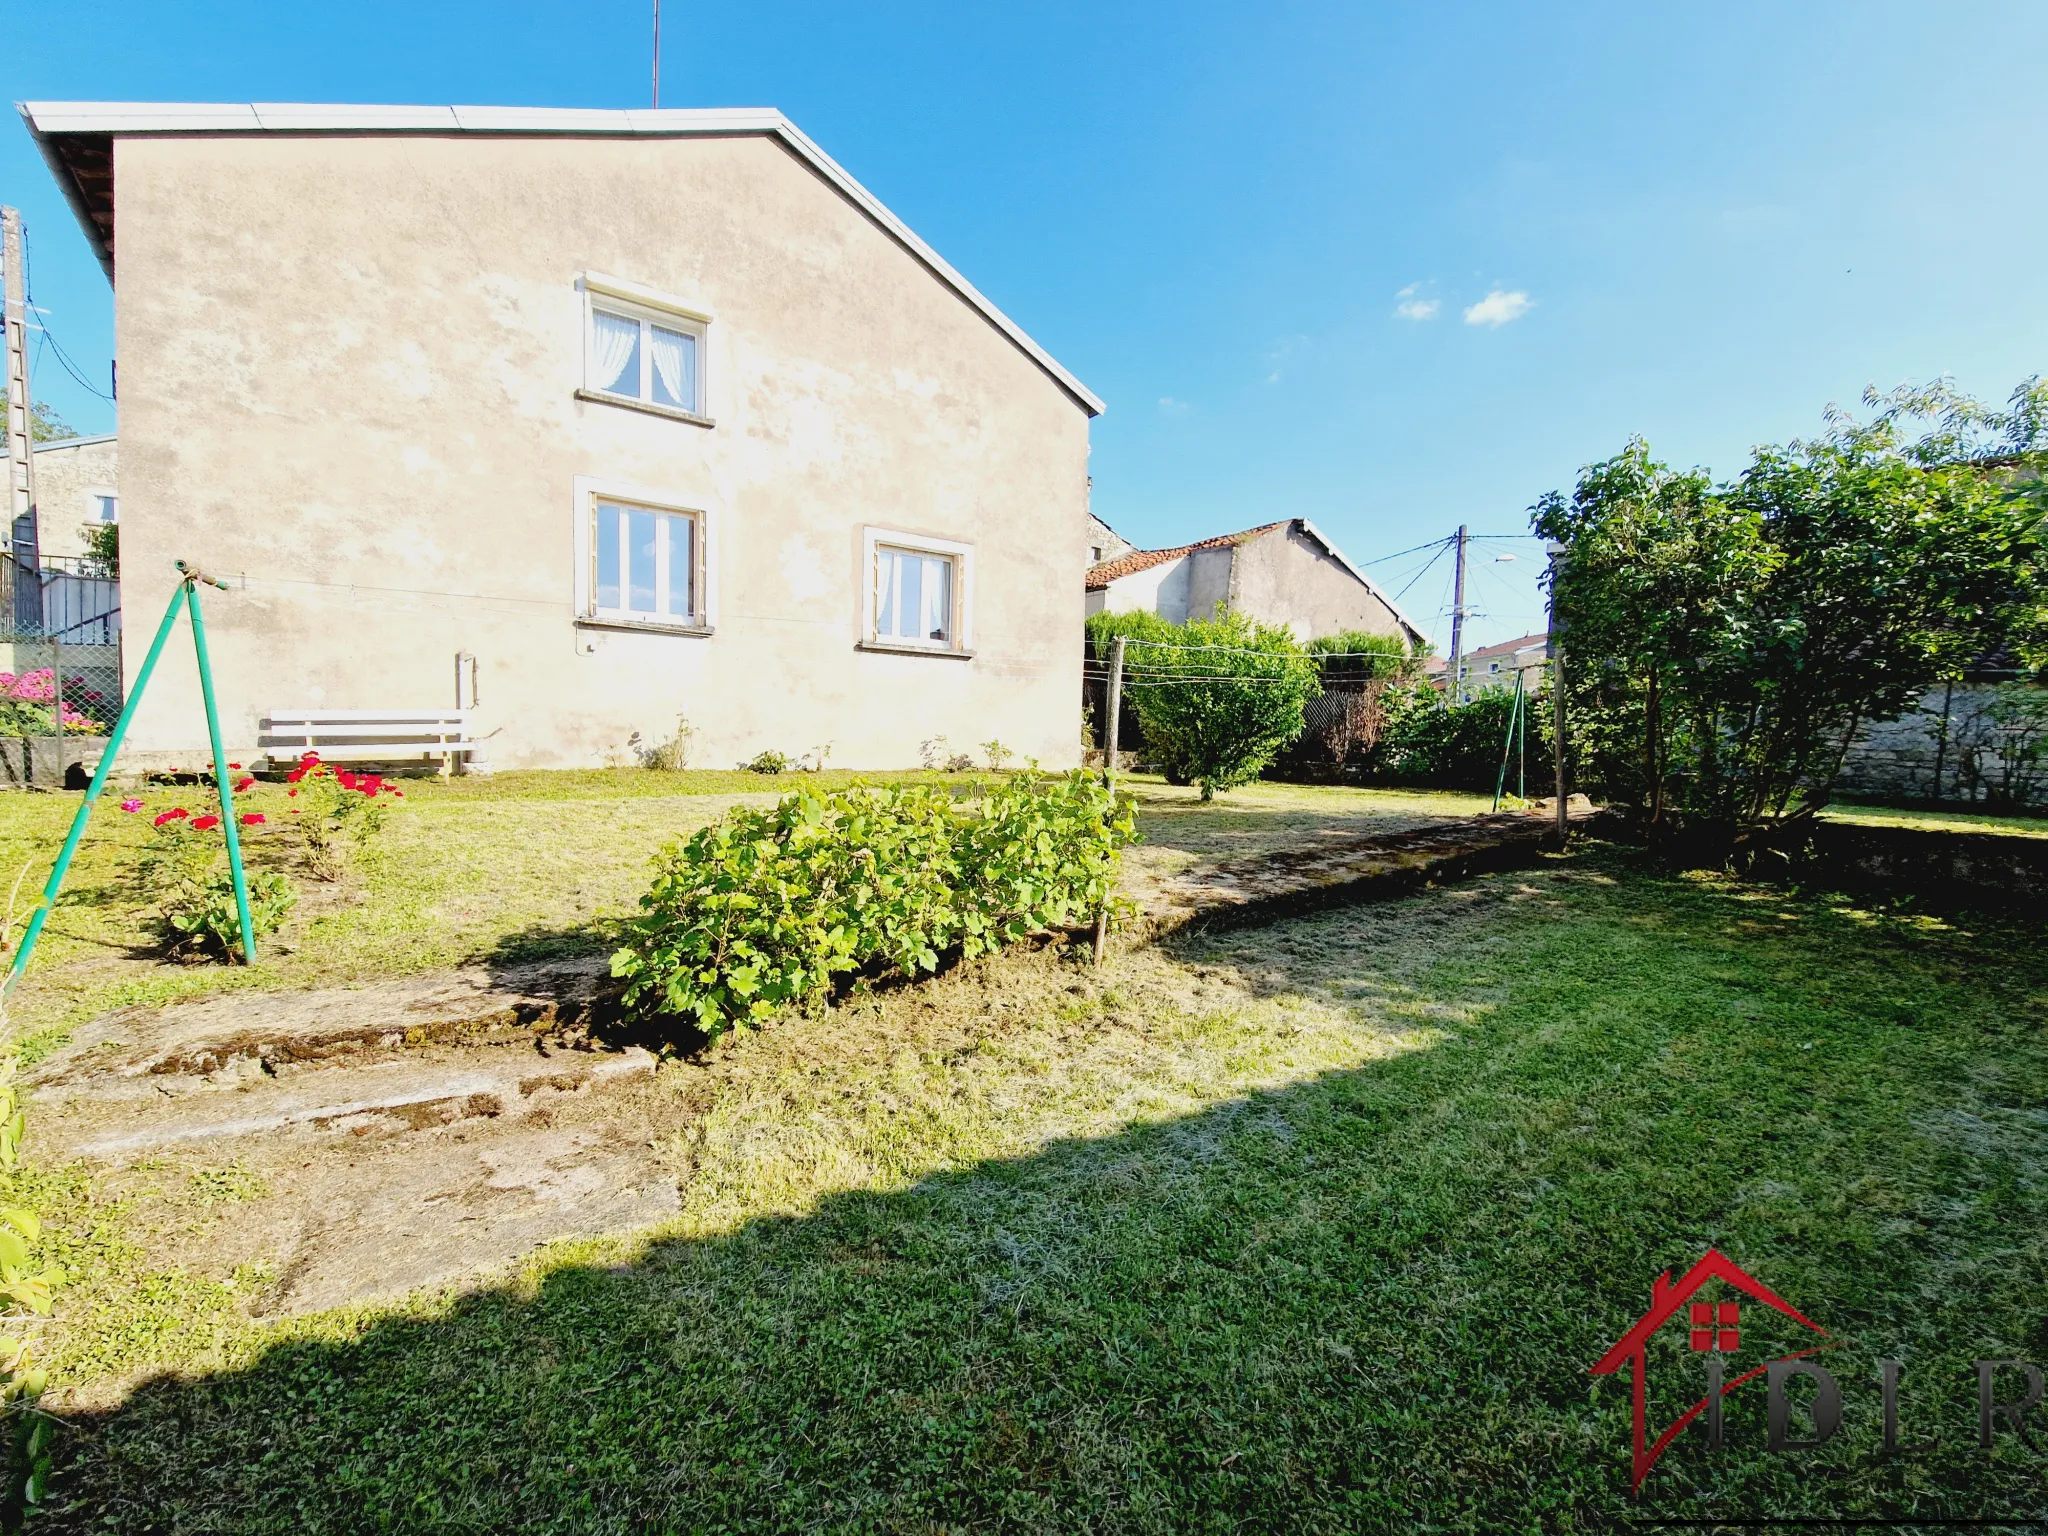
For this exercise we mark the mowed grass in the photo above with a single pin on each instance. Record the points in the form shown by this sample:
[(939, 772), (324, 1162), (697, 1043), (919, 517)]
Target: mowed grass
[(1936, 820), (1312, 1227), (511, 866)]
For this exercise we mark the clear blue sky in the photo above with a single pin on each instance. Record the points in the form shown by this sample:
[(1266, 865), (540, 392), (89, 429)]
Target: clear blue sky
[(1720, 217)]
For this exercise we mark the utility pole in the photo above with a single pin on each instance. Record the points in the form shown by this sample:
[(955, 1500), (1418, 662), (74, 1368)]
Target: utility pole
[(1456, 692), (1556, 645), (21, 458), (657, 55), (1116, 708)]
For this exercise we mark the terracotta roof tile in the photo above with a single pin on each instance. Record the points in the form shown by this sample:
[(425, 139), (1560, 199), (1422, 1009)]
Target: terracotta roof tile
[(1136, 560)]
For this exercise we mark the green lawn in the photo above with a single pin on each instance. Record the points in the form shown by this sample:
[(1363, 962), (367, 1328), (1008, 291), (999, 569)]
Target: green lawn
[(1938, 821), (514, 864), (1313, 1227)]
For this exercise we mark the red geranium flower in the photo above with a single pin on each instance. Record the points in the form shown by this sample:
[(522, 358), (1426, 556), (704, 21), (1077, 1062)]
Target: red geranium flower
[(292, 792), (234, 765), (175, 813), (252, 818), (242, 783), (205, 823)]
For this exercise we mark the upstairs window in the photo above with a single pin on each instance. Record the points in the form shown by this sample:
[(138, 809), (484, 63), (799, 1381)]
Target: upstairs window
[(106, 507), (638, 350)]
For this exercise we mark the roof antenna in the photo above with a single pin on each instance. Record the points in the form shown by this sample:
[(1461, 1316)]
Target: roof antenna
[(657, 55)]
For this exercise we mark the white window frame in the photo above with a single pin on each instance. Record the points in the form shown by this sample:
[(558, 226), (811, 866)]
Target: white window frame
[(650, 307), (94, 495), (590, 491), (873, 539)]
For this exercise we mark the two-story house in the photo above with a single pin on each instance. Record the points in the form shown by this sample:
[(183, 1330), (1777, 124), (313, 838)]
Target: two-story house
[(652, 413)]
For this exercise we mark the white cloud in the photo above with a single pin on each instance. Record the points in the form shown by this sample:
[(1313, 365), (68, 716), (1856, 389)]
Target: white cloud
[(1169, 406), (1411, 305), (1499, 307)]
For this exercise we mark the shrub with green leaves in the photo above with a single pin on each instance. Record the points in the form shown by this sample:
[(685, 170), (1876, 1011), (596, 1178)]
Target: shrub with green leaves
[(764, 909), (183, 874), (1220, 698)]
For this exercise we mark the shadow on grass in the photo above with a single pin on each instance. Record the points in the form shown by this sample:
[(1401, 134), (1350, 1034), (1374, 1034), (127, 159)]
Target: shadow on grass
[(1361, 1302)]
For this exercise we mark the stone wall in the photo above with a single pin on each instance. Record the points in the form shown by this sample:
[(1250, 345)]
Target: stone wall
[(1978, 743)]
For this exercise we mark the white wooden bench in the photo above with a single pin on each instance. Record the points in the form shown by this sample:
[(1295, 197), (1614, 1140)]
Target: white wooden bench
[(367, 735)]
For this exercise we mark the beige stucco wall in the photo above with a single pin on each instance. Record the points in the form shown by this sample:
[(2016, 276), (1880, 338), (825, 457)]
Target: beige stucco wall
[(1286, 577), (68, 474), (348, 371)]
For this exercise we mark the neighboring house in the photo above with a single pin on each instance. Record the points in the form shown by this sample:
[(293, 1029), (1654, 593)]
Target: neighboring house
[(1496, 666), (77, 488), (1284, 573), (1104, 542), (654, 413)]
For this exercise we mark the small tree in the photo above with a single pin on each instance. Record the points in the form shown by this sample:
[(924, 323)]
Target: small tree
[(1220, 698), (1723, 643)]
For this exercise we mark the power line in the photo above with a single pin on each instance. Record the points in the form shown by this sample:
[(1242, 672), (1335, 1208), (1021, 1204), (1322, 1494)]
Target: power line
[(1441, 547), (1397, 554), (28, 285)]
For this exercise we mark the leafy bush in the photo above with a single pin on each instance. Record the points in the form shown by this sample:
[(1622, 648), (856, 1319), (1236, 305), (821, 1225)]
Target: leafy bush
[(103, 550), (764, 908), (1220, 698), (1723, 643), (29, 705), (1455, 746), (339, 815), (1359, 655), (27, 1283), (183, 873), (209, 922), (1364, 677), (770, 761), (998, 755)]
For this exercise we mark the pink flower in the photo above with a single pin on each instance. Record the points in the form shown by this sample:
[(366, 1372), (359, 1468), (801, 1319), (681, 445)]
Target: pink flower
[(131, 806), (175, 813), (205, 823), (252, 818)]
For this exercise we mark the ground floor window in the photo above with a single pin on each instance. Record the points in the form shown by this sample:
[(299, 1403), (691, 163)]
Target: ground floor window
[(641, 562), (918, 592)]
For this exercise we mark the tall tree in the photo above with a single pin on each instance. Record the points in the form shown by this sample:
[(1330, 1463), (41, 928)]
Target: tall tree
[(1725, 642)]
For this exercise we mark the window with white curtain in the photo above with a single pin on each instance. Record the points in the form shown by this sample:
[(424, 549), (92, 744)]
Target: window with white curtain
[(640, 353), (919, 595), (646, 563)]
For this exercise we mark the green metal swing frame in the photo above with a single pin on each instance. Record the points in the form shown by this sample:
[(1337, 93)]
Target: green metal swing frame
[(190, 578)]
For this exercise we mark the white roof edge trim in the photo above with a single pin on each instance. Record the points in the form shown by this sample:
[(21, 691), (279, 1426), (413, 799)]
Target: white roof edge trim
[(118, 117), (1370, 585)]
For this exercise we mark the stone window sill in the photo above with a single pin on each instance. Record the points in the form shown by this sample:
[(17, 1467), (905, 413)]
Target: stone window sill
[(885, 648), (597, 397), (645, 626)]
